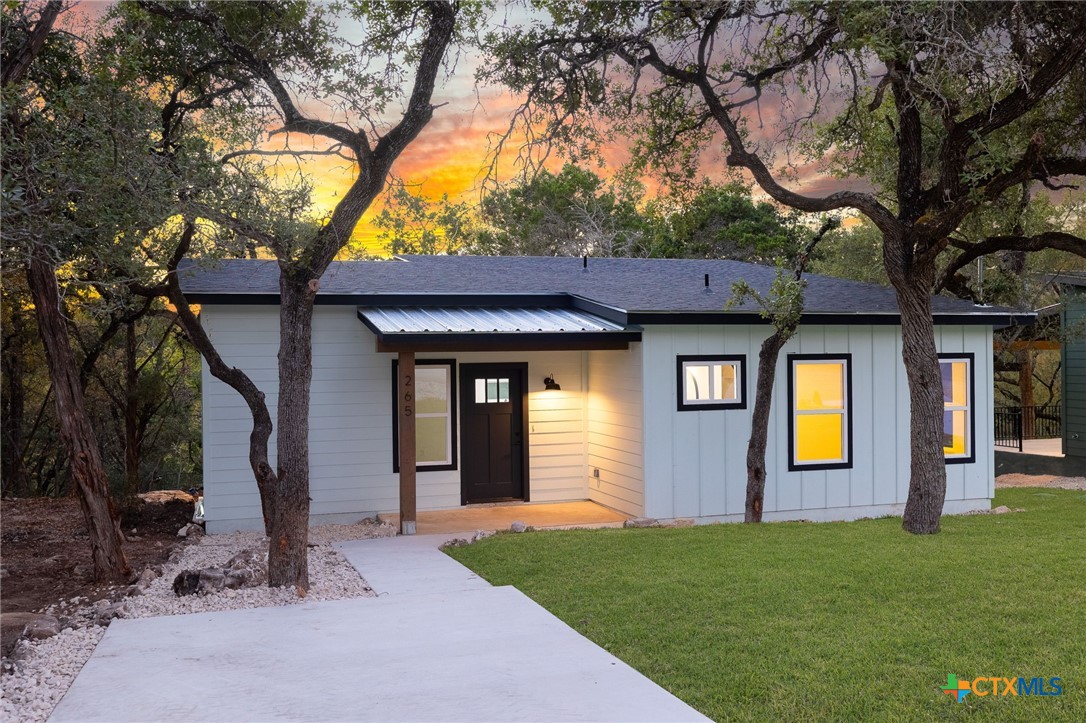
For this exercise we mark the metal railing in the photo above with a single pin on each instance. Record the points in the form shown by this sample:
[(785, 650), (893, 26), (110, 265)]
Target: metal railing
[(1013, 425)]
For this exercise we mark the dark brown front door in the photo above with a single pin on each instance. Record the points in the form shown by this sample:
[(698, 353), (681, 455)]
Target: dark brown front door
[(493, 432)]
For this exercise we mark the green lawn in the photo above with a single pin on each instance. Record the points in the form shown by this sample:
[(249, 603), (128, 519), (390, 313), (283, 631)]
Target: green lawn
[(842, 621)]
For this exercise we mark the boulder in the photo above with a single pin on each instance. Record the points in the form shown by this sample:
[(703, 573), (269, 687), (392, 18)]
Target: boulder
[(518, 526), (105, 611), (641, 522), (211, 580), (186, 582), (13, 626)]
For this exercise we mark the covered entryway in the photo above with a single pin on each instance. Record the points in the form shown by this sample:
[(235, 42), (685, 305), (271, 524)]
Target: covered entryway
[(494, 427), (492, 349)]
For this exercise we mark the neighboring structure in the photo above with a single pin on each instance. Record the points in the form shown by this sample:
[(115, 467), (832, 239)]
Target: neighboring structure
[(622, 381), (1073, 357)]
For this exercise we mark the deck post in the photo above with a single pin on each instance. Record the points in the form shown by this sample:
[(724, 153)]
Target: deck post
[(406, 395)]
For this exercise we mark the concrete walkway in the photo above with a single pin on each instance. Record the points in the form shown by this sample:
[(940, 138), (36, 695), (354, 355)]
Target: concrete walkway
[(438, 644)]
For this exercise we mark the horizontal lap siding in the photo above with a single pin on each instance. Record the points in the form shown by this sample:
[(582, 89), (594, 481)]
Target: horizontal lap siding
[(695, 461), (615, 429), (555, 421), (351, 419)]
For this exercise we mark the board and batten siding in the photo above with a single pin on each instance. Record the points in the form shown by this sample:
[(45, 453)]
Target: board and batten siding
[(350, 420), (615, 430), (695, 461), (1073, 403)]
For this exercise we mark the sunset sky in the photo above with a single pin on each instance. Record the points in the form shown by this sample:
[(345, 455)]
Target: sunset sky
[(450, 154)]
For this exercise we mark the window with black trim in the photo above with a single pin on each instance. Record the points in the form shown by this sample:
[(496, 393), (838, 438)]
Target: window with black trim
[(435, 415), (959, 421), (711, 382), (819, 411)]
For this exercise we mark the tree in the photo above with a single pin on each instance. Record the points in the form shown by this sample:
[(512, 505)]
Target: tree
[(978, 98), (55, 150), (573, 212), (719, 222), (782, 307), (265, 57), (410, 224)]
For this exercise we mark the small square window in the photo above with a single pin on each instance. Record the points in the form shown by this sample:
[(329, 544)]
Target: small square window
[(711, 382)]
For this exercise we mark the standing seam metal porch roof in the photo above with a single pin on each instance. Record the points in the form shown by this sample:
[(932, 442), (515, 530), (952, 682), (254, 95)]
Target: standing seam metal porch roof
[(462, 320)]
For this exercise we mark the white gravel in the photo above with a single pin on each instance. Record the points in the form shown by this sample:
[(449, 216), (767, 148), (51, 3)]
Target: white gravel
[(45, 669)]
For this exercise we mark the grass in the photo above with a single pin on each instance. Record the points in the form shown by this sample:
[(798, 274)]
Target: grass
[(838, 621)]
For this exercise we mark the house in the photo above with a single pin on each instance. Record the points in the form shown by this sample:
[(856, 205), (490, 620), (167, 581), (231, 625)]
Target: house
[(621, 381), (1072, 289)]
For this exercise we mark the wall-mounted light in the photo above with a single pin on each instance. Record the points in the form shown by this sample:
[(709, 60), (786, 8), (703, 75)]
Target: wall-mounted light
[(550, 384)]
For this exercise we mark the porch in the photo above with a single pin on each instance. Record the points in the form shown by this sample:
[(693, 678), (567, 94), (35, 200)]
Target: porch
[(492, 517)]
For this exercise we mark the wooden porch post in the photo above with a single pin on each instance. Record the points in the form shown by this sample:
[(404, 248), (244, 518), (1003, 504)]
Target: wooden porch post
[(406, 396)]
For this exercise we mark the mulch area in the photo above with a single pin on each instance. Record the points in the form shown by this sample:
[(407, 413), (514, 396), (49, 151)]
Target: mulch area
[(45, 550)]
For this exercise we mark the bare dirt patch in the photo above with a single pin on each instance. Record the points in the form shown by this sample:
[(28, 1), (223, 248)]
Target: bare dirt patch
[(45, 550), (1041, 480)]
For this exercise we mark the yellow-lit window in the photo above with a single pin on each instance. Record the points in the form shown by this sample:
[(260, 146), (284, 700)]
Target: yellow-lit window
[(711, 382), (957, 407), (819, 389)]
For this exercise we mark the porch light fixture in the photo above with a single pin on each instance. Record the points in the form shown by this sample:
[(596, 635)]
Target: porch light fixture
[(550, 384)]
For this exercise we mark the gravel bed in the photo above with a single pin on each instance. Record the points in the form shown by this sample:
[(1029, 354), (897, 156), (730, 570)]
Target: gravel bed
[(45, 669)]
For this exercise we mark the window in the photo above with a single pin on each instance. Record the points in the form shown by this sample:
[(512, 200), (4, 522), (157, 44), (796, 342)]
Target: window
[(435, 415), (958, 421), (492, 391), (819, 406), (711, 382)]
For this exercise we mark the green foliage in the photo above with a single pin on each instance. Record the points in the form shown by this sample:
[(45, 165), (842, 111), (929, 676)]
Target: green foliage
[(853, 252), (570, 213), (780, 621), (719, 222), (410, 224)]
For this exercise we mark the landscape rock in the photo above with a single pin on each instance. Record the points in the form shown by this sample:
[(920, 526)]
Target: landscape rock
[(481, 535), (518, 526), (680, 522), (211, 580), (14, 625), (106, 611), (133, 590), (641, 522), (186, 582)]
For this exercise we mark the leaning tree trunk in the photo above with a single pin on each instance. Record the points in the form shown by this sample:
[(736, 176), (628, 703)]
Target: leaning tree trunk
[(76, 432), (288, 563), (231, 376), (927, 480), (759, 427)]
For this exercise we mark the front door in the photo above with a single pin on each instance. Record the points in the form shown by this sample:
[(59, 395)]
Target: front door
[(494, 461)]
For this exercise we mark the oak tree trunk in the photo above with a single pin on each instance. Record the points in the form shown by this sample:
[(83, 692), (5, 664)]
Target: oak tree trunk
[(759, 428), (927, 469), (231, 376), (288, 563), (14, 408), (76, 432), (131, 413)]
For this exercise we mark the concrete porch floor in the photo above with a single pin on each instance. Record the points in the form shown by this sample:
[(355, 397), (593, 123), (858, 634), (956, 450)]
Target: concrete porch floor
[(500, 516), (1044, 447)]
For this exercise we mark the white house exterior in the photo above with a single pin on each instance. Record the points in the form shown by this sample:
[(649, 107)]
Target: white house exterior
[(635, 428)]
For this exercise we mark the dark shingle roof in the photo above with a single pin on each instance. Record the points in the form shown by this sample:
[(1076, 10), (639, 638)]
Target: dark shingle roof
[(637, 286)]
